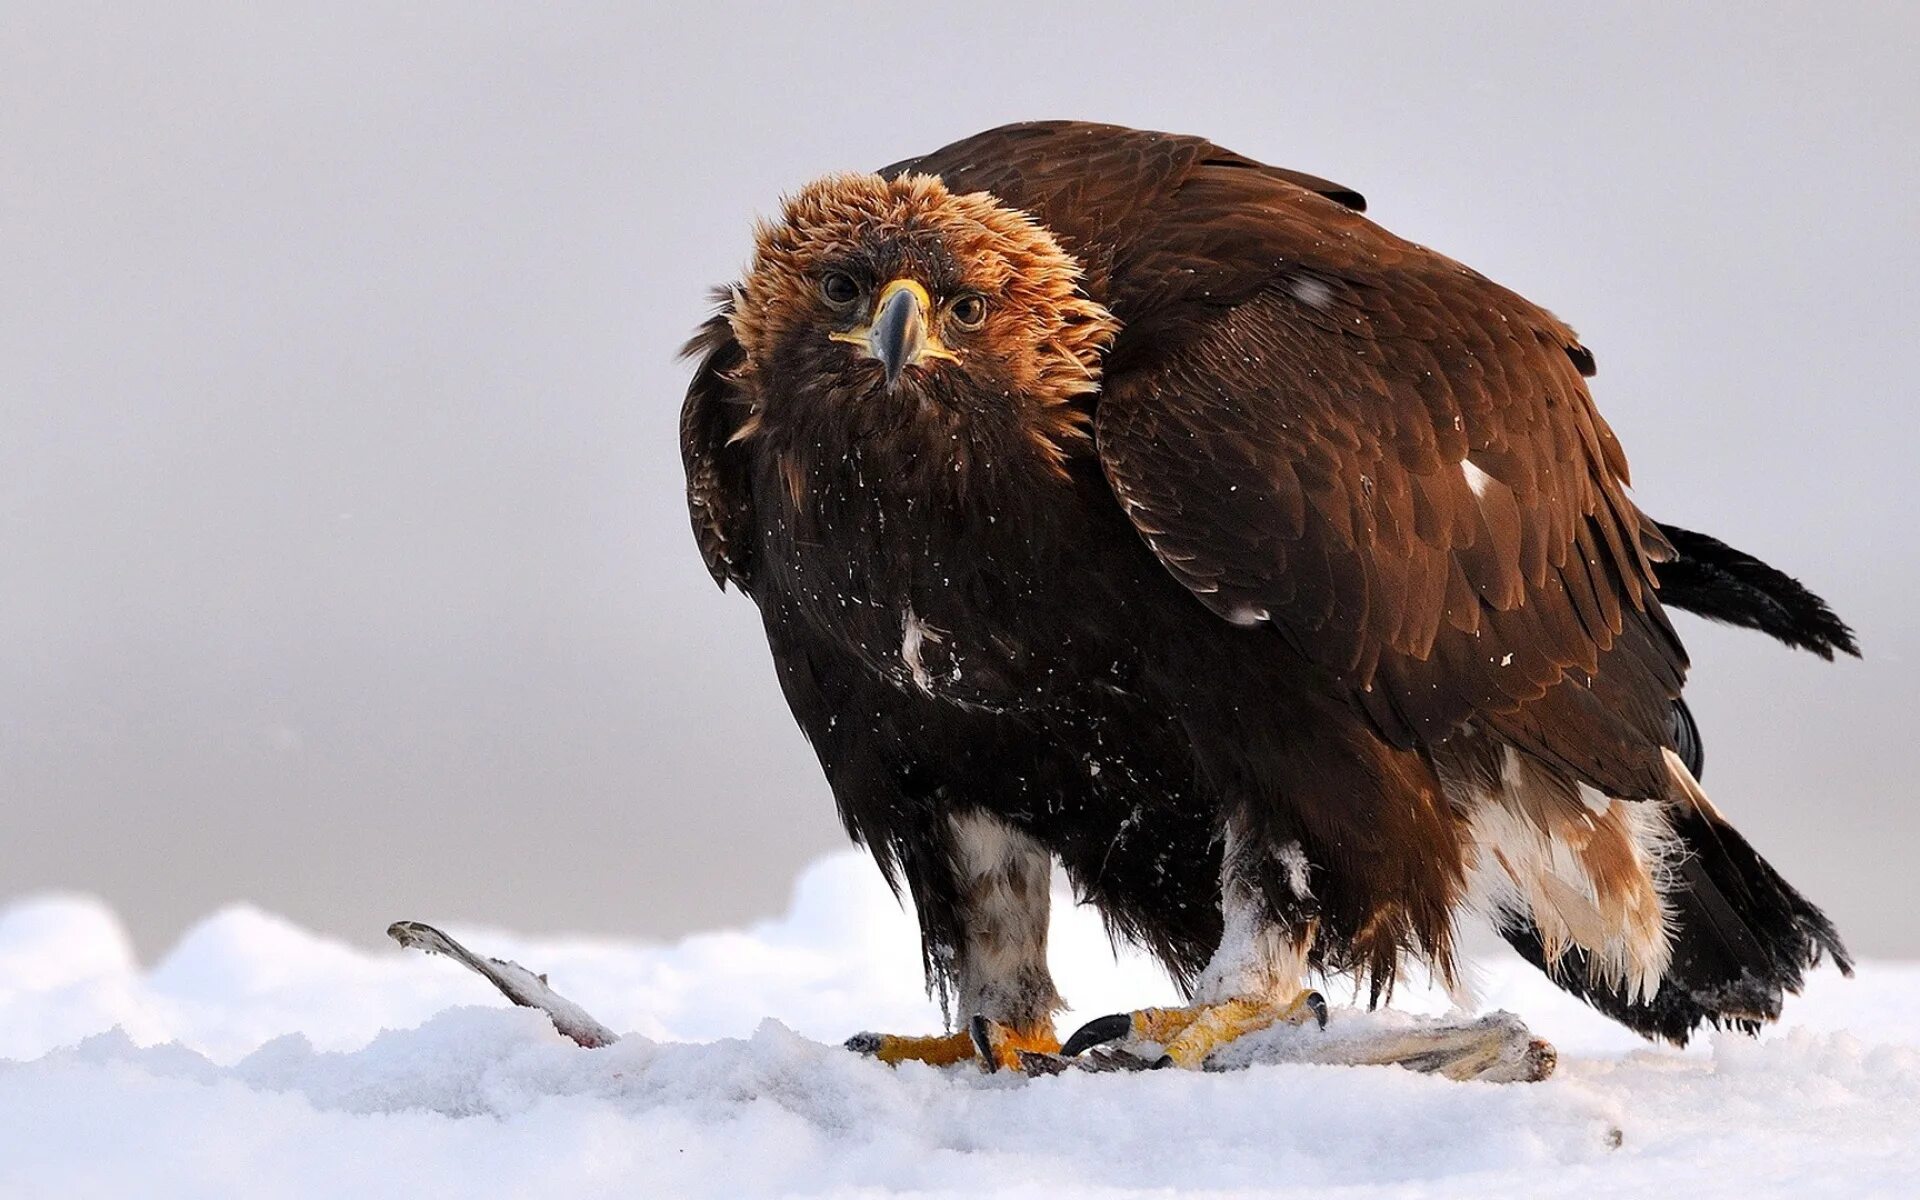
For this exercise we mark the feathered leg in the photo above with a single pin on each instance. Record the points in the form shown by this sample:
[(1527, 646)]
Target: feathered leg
[(1256, 979), (997, 956)]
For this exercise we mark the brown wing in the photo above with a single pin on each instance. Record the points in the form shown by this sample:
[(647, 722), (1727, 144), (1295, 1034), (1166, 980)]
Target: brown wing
[(1391, 459), (718, 497)]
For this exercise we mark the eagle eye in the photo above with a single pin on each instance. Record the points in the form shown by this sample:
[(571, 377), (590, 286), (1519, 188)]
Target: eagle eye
[(839, 289), (969, 311)]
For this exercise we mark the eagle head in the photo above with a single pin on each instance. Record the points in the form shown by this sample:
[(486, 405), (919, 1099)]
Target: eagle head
[(894, 309)]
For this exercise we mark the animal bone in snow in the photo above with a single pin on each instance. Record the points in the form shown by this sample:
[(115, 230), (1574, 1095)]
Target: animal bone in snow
[(515, 982)]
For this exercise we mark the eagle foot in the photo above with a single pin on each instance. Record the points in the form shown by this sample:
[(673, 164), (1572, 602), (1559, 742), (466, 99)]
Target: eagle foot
[(992, 1045), (1187, 1037)]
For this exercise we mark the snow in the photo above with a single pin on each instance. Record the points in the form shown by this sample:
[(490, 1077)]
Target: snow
[(258, 1059)]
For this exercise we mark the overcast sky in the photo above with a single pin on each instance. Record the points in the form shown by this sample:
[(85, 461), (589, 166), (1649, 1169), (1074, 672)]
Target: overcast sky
[(344, 566)]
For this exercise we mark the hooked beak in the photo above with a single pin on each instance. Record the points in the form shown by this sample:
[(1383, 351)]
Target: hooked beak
[(900, 333)]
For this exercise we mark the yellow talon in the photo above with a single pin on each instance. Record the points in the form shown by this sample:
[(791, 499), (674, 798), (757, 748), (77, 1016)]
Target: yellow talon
[(1162, 1025), (934, 1051), (1000, 1046), (1218, 1024), (1189, 1035), (1005, 1043)]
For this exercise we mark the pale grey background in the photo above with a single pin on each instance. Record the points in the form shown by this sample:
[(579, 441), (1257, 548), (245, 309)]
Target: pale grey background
[(343, 562)]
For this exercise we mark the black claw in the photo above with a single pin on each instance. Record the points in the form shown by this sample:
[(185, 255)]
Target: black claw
[(864, 1043), (1097, 1032), (1318, 1004), (982, 1034)]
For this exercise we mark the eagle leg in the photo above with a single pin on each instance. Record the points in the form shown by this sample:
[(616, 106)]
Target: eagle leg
[(1187, 1037), (1252, 982), (988, 911)]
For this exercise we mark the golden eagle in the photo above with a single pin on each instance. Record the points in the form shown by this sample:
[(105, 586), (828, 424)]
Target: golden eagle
[(1112, 498)]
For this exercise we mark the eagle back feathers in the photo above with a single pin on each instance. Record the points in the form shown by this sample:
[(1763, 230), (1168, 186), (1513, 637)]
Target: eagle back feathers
[(1390, 458)]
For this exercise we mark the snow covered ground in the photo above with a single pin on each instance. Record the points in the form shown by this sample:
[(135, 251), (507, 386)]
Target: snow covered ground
[(257, 1059)]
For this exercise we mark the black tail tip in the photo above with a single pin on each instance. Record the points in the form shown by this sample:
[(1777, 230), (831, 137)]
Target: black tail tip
[(1743, 941), (1711, 579)]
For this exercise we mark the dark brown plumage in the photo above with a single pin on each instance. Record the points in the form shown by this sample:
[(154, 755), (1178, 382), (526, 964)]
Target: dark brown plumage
[(1241, 553)]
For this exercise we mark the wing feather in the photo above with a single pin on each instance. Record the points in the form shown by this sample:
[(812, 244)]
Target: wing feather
[(719, 497), (1388, 457), (1392, 459)]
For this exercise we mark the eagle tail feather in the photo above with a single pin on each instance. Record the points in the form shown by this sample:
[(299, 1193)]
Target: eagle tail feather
[(1711, 579), (1742, 940)]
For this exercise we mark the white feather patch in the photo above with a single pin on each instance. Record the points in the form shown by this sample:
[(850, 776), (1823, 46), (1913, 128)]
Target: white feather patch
[(915, 634), (1477, 479), (1518, 870), (1311, 292)]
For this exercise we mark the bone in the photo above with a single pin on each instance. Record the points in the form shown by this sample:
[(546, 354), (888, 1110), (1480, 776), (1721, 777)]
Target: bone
[(516, 983), (1496, 1048)]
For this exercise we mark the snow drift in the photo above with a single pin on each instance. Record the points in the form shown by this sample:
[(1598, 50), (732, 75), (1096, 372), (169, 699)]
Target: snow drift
[(257, 1059)]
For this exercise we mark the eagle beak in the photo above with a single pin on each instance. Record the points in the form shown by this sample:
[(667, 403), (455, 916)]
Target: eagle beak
[(900, 333)]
